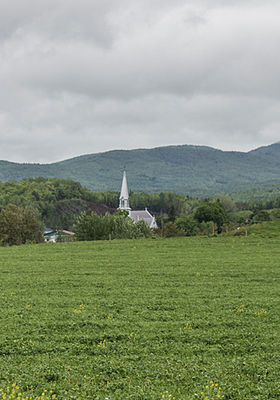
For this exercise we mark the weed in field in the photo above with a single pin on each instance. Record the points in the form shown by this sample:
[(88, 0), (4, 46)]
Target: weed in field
[(261, 312), (241, 309), (103, 343), (188, 328), (81, 309), (13, 393), (212, 391), (132, 336), (21, 342), (167, 396)]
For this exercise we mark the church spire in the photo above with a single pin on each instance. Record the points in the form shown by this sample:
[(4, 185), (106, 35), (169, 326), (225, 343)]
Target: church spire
[(124, 202)]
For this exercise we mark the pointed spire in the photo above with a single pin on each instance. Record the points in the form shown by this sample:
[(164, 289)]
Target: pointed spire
[(124, 196), (124, 189)]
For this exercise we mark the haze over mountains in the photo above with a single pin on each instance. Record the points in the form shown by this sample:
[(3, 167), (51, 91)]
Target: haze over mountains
[(194, 170)]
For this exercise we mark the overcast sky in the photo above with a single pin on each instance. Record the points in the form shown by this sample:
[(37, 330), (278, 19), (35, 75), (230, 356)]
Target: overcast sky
[(86, 76)]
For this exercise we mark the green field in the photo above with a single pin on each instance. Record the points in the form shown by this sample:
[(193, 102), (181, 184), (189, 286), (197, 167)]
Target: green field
[(135, 319)]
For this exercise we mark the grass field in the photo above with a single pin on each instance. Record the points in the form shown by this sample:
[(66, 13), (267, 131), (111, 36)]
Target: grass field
[(145, 319)]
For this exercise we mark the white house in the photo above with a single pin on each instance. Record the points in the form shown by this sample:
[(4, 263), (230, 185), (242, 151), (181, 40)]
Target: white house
[(135, 215)]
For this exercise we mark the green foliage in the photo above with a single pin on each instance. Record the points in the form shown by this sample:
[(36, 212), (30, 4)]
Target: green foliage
[(92, 227), (208, 228), (258, 194), (241, 217), (57, 202), (261, 216), (266, 229), (134, 319), (122, 227), (119, 226), (172, 214), (227, 202), (188, 224), (168, 203), (211, 211), (19, 226), (169, 229), (275, 212), (142, 230), (195, 170)]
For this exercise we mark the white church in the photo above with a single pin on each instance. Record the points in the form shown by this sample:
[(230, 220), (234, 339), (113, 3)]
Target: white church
[(135, 215)]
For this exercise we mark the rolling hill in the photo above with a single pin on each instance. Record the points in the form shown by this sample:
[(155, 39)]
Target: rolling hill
[(194, 170)]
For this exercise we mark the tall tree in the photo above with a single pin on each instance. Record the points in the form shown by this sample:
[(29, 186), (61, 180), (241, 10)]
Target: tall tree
[(211, 211), (18, 226)]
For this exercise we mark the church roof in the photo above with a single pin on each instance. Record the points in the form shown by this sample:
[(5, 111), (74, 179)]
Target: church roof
[(143, 215), (140, 214)]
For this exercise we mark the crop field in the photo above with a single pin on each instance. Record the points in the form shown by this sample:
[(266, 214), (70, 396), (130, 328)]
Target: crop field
[(154, 319)]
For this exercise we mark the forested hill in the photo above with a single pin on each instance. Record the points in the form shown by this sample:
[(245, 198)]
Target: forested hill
[(194, 170)]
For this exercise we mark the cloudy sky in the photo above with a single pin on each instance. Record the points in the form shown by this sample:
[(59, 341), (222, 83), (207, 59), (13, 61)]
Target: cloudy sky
[(86, 76)]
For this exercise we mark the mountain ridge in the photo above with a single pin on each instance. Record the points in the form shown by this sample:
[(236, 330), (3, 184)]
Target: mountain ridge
[(190, 169), (141, 149)]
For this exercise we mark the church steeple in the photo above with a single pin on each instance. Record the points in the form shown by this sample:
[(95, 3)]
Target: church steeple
[(124, 201)]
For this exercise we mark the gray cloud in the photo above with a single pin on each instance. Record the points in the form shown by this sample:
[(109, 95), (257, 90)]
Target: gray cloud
[(88, 76)]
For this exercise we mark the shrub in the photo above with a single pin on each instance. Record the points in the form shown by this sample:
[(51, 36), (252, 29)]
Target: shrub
[(261, 216), (187, 224), (171, 230), (207, 228), (118, 226), (93, 226)]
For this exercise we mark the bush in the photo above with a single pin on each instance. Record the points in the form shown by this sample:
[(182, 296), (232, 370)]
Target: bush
[(118, 226), (93, 227), (276, 213), (261, 216), (187, 224), (207, 228), (171, 230), (142, 230)]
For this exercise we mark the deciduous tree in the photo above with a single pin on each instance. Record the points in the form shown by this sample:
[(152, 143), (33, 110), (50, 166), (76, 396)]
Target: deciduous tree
[(18, 226), (211, 211)]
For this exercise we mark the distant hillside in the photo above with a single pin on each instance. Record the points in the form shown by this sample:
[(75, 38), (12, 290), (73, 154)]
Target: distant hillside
[(194, 170), (263, 193)]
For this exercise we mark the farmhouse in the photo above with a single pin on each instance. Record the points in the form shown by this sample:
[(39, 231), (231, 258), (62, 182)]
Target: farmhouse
[(135, 215), (52, 235)]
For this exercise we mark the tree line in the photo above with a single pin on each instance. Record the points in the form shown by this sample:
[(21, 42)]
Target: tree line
[(28, 206), (58, 202)]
